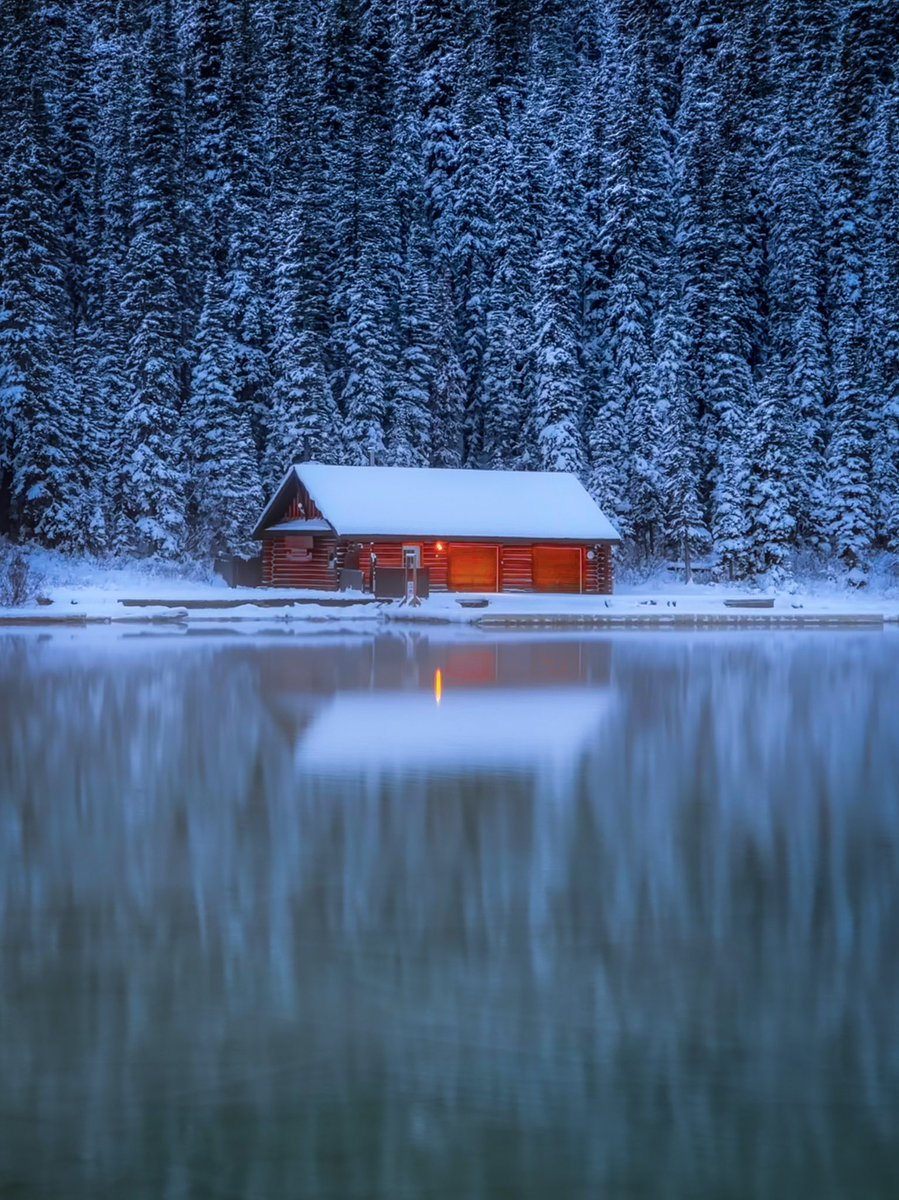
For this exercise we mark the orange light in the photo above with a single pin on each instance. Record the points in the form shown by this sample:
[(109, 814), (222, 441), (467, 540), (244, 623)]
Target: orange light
[(438, 684), (440, 545)]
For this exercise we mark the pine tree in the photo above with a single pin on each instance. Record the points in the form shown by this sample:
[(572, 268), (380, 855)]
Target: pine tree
[(557, 382), (151, 481), (440, 66), (508, 331), (630, 243), (884, 317), (364, 393), (409, 394), (211, 51), (791, 186), (410, 247), (250, 302), (771, 502), (471, 257), (225, 487), (448, 386), (302, 416), (718, 245), (850, 521), (39, 420), (675, 392)]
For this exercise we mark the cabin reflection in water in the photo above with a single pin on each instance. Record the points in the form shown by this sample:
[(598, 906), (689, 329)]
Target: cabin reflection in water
[(409, 662), (454, 709)]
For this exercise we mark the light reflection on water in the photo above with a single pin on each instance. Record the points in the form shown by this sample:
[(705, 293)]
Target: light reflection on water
[(618, 916)]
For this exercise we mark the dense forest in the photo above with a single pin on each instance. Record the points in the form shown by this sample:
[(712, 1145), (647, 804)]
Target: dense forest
[(655, 242)]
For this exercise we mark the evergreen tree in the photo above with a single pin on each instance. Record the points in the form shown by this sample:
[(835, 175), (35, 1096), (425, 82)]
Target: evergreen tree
[(509, 320), (302, 415), (884, 317), (409, 394), (792, 189), (771, 518), (675, 394), (40, 475), (151, 482), (364, 395), (225, 488), (557, 380), (850, 521), (633, 244), (471, 255), (440, 66), (448, 386)]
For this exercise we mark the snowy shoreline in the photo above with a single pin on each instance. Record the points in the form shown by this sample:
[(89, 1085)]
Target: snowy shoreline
[(700, 608), (78, 592)]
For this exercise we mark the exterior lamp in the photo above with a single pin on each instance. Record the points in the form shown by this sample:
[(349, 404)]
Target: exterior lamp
[(591, 555), (439, 546)]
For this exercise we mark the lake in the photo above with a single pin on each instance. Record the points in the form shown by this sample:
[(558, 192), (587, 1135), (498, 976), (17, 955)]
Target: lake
[(449, 917)]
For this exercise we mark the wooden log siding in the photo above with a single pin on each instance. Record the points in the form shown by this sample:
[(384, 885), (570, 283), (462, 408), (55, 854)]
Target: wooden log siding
[(598, 573), (281, 569), (301, 507), (516, 569), (390, 554)]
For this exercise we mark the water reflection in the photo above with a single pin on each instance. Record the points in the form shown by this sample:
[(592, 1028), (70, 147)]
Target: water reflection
[(616, 917)]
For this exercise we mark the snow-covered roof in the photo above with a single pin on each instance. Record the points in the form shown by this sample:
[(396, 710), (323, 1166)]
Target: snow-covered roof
[(367, 502)]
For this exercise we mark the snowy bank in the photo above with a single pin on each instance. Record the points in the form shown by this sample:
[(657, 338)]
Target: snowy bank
[(79, 591)]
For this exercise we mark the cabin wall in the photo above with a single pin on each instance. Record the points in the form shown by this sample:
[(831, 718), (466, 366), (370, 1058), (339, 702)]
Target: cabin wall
[(515, 565), (599, 577), (516, 573), (301, 508), (281, 566), (390, 554)]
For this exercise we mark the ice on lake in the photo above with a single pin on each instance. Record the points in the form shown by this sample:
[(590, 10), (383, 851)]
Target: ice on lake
[(406, 916)]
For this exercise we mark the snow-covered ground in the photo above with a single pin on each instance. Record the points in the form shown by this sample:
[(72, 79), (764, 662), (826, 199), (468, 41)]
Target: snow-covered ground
[(93, 591), (671, 604)]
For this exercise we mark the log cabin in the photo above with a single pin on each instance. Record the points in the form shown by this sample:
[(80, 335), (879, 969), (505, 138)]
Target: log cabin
[(460, 530)]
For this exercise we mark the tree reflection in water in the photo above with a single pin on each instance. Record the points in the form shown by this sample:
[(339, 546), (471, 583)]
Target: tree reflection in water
[(624, 924)]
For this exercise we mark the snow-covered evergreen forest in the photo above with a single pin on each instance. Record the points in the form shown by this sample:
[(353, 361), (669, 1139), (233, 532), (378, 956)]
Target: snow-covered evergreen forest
[(652, 241)]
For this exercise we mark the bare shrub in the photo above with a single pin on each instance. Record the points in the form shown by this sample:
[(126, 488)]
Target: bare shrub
[(18, 584)]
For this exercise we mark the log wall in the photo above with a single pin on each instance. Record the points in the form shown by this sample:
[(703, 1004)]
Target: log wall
[(282, 566), (516, 573), (598, 573)]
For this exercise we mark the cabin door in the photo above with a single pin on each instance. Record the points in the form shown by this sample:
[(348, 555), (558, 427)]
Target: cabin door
[(557, 568), (472, 568)]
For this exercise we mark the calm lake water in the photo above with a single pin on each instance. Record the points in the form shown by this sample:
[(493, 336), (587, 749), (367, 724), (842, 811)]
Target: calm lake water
[(424, 919)]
